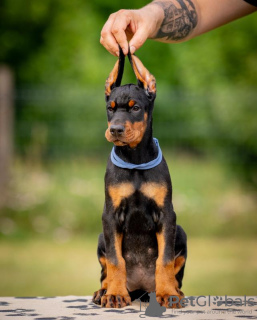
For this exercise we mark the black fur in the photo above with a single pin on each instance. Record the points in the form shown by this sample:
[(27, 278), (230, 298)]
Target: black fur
[(138, 218)]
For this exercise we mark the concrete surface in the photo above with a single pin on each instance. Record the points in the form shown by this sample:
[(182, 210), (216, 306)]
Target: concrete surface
[(74, 307)]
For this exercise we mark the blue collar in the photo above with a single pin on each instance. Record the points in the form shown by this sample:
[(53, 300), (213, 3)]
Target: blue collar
[(117, 161)]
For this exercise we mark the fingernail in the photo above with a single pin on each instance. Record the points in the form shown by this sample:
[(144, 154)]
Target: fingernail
[(132, 49), (124, 51), (117, 53)]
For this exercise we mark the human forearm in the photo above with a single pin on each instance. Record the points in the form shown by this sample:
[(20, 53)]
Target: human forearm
[(179, 18), (168, 21), (186, 19)]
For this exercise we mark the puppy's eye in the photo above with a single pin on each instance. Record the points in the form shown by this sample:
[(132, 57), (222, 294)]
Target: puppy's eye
[(136, 108), (110, 109)]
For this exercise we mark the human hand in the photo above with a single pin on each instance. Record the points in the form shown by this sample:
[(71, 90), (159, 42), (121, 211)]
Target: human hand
[(130, 28)]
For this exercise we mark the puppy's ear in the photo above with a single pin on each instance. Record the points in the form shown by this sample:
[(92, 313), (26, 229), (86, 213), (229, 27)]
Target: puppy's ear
[(145, 79), (115, 77)]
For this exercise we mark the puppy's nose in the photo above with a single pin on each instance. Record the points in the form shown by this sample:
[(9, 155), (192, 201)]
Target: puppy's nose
[(117, 130)]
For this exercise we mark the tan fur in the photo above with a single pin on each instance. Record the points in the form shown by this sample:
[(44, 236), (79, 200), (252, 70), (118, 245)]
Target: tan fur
[(132, 136), (155, 191), (111, 79), (179, 262), (104, 283), (137, 130), (165, 280), (131, 103), (120, 191), (143, 75), (116, 274), (112, 104)]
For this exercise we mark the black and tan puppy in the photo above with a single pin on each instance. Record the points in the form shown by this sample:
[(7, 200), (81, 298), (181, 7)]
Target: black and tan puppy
[(141, 248)]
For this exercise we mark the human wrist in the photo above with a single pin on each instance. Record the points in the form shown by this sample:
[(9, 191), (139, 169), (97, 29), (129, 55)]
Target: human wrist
[(155, 16)]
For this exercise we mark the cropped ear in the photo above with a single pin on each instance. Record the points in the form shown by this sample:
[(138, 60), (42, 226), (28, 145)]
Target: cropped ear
[(145, 79), (115, 77)]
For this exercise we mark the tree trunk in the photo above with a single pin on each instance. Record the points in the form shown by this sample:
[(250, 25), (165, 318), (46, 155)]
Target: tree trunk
[(6, 130)]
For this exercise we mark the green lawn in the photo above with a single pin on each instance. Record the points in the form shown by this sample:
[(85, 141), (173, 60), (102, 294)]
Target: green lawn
[(46, 268)]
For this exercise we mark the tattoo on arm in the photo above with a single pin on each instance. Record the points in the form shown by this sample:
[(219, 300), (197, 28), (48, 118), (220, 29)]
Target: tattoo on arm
[(179, 20)]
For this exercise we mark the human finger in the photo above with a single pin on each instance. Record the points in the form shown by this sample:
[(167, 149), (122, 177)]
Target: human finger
[(138, 39), (107, 39), (119, 28)]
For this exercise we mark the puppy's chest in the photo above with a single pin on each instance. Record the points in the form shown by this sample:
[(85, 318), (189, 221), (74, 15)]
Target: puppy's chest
[(137, 206), (138, 192)]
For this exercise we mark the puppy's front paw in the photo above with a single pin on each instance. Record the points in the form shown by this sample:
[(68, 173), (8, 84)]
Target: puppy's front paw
[(115, 301), (170, 301), (98, 295), (163, 300), (175, 302)]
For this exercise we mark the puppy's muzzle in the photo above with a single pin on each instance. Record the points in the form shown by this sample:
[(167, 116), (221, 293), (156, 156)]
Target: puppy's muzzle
[(117, 130)]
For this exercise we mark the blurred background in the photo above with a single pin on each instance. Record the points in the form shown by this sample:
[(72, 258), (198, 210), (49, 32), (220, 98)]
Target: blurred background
[(53, 152)]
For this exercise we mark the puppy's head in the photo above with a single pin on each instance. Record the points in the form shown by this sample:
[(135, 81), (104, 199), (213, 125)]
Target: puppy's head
[(129, 107)]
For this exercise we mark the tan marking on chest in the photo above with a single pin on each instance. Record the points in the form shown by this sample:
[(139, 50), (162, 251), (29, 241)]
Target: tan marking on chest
[(120, 191), (155, 191)]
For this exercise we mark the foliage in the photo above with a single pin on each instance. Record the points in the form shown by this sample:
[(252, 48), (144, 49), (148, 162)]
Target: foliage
[(64, 199), (206, 87), (206, 105)]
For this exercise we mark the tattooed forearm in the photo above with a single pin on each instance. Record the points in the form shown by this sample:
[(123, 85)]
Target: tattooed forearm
[(180, 18)]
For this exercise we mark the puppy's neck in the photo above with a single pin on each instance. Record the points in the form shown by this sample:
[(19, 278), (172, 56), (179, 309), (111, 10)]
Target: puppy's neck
[(144, 152)]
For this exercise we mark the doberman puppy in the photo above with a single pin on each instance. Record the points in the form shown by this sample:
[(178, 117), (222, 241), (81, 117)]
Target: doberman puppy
[(141, 248)]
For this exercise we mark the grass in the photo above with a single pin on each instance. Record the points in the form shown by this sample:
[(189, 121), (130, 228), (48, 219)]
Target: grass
[(49, 227), (46, 268)]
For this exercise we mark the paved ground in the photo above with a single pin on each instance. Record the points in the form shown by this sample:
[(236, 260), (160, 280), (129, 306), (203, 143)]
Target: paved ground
[(73, 308)]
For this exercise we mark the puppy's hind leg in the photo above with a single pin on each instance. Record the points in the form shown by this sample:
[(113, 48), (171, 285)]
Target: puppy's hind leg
[(180, 259), (102, 260)]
